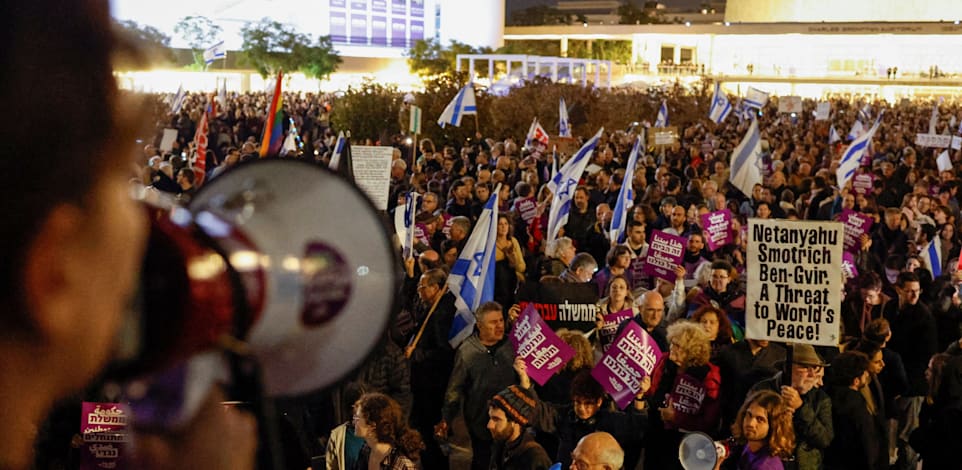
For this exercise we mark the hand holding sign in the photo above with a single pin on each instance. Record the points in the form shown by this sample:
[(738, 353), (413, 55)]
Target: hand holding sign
[(542, 351)]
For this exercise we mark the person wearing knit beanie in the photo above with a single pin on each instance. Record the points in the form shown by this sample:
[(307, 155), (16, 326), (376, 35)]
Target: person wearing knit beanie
[(509, 413)]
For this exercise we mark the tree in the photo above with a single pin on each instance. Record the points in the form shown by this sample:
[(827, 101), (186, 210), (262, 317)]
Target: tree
[(630, 14), (429, 58), (271, 46), (200, 33), (541, 15), (150, 45), (368, 111)]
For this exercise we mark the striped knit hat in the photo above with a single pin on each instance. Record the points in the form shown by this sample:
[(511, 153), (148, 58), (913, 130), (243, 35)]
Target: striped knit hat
[(517, 405)]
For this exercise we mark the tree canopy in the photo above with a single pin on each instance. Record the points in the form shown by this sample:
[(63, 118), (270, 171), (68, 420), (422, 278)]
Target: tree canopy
[(151, 45), (430, 58), (271, 46), (199, 31)]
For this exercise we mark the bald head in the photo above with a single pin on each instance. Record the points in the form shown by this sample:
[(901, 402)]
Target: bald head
[(652, 306), (599, 448)]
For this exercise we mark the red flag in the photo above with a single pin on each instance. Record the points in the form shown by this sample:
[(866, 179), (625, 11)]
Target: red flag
[(200, 154)]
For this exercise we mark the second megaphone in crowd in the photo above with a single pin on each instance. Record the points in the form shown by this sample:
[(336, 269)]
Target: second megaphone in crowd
[(697, 451), (284, 258)]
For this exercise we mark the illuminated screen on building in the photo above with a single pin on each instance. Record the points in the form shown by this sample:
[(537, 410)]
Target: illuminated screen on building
[(383, 23)]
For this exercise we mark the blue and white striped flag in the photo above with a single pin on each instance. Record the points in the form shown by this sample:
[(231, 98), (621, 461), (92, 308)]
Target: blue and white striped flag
[(720, 107), (404, 223), (338, 150), (215, 52), (564, 183), (178, 100), (756, 98), (853, 155), (626, 197), (662, 119), (857, 130), (472, 276), (564, 127), (932, 256), (745, 171), (833, 136), (462, 104)]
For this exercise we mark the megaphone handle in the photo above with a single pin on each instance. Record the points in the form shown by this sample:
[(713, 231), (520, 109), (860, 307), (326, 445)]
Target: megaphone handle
[(248, 386)]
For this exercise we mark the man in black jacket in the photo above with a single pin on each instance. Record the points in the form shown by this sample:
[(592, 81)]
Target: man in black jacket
[(915, 339), (858, 441), (432, 359)]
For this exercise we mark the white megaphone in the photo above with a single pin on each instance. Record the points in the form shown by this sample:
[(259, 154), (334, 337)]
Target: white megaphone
[(287, 259), (697, 451)]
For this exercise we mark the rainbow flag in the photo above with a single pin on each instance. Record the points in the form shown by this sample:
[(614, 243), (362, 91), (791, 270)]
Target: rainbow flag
[(273, 128)]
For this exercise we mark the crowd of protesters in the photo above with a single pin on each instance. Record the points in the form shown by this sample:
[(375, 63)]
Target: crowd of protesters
[(888, 396)]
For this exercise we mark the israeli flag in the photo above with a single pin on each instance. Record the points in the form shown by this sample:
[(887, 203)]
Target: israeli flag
[(404, 223), (932, 256), (338, 150), (564, 183), (745, 171), (756, 98), (743, 112), (853, 155), (564, 128), (720, 107), (934, 119), (857, 131), (472, 277), (222, 93), (833, 136), (462, 104), (626, 197), (662, 119), (178, 100), (215, 52)]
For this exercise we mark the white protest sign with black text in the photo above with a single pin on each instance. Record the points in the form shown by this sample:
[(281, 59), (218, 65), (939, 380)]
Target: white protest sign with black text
[(794, 288), (372, 172)]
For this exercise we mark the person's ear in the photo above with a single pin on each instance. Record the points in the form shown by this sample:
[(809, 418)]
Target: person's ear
[(51, 272)]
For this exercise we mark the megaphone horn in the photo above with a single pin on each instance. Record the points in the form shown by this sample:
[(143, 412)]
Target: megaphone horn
[(697, 451)]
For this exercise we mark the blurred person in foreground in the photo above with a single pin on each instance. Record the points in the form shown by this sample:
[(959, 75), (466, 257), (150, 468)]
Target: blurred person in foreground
[(72, 258)]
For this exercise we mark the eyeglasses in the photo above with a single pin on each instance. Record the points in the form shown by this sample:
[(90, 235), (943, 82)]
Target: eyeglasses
[(581, 464)]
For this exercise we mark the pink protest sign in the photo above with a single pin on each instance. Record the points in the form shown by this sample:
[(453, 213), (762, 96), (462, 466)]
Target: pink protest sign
[(542, 350), (527, 208), (104, 430), (717, 227), (665, 253), (630, 358), (862, 182), (610, 327), (421, 234), (687, 397), (848, 265), (856, 224)]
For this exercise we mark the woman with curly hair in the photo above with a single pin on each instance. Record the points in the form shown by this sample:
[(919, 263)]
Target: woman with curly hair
[(388, 442), (685, 389), (764, 426)]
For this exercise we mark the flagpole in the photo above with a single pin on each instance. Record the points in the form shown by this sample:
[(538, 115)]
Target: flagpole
[(477, 127)]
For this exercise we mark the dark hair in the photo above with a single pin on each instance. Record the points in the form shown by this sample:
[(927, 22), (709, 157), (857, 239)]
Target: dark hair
[(869, 280), (615, 252), (583, 385), (877, 330), (435, 276), (72, 95), (906, 277), (385, 415), (849, 366), (867, 347), (721, 264)]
